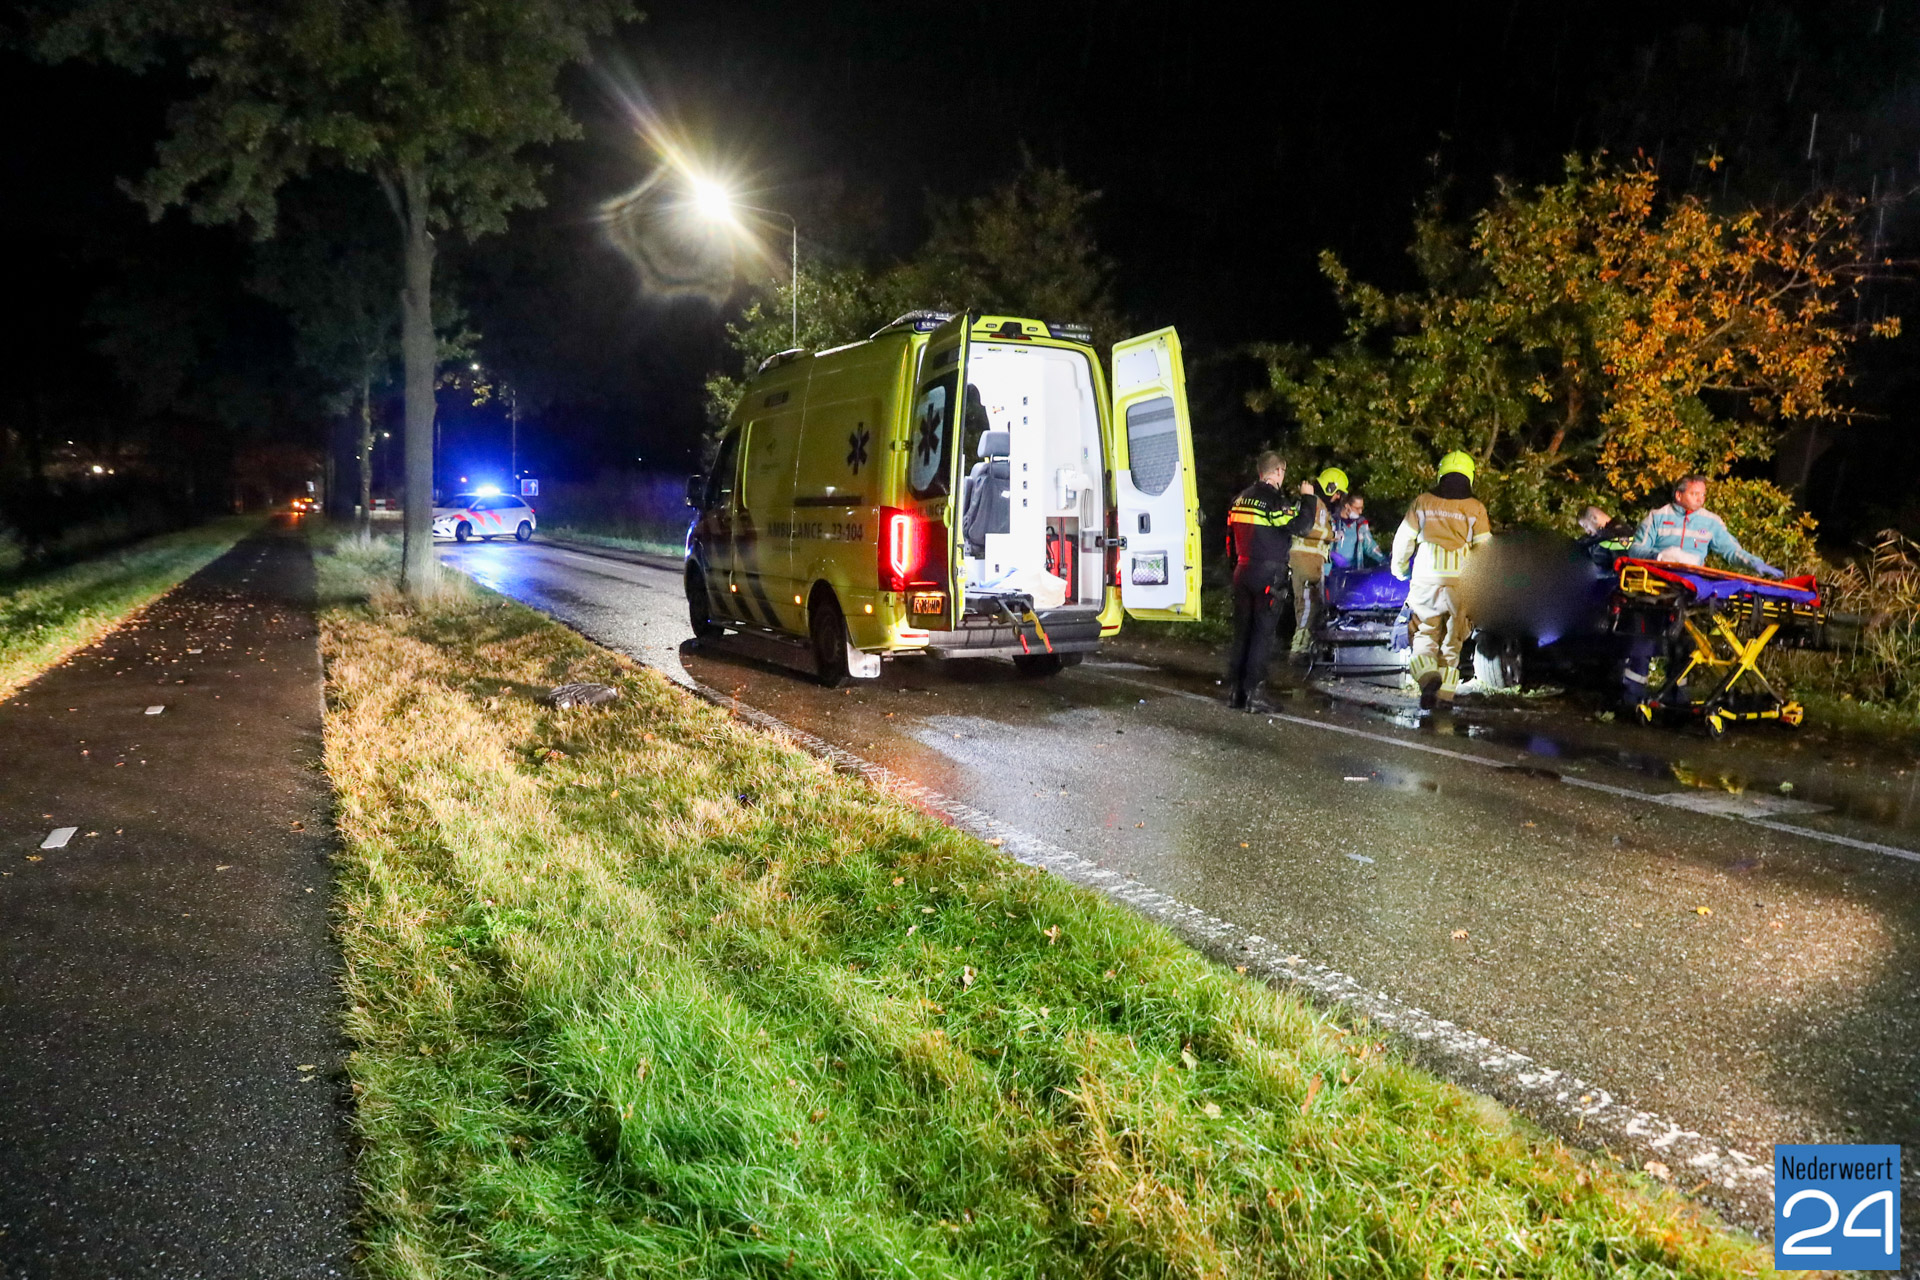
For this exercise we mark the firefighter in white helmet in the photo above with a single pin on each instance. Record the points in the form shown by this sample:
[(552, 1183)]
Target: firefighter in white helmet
[(1441, 529)]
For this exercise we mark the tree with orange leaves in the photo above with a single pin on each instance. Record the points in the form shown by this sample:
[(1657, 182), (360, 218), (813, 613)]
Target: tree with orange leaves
[(1591, 341)]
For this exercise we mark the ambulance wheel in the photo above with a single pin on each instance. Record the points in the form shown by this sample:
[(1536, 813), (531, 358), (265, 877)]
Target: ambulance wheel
[(699, 610), (462, 531), (827, 628), (1038, 665), (524, 533)]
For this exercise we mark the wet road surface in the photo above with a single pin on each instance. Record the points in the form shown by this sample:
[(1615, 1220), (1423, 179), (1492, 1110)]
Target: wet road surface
[(1574, 892)]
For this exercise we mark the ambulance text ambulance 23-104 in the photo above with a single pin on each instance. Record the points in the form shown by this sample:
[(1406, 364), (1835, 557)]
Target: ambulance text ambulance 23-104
[(959, 486)]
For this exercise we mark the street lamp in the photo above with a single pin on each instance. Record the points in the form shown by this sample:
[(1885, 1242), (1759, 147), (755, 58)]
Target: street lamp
[(716, 204)]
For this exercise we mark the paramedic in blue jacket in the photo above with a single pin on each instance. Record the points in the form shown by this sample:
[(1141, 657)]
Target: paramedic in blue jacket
[(1681, 532), (1354, 547), (1685, 531)]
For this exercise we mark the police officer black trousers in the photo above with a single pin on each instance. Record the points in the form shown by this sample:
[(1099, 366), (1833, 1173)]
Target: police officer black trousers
[(1259, 591)]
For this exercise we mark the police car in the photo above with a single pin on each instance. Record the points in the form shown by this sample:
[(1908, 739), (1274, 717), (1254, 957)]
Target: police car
[(484, 515)]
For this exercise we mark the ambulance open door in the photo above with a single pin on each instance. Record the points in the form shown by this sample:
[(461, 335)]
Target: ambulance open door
[(920, 543), (1159, 514)]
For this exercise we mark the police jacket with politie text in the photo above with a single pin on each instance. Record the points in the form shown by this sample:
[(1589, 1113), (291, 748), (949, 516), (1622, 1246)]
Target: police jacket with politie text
[(1262, 523)]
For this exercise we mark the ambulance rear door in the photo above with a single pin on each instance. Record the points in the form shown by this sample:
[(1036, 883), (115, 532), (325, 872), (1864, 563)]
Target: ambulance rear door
[(1153, 473), (920, 543)]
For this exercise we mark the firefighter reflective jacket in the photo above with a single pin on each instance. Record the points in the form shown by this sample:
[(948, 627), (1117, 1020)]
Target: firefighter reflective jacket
[(1317, 539), (1262, 523), (1433, 540)]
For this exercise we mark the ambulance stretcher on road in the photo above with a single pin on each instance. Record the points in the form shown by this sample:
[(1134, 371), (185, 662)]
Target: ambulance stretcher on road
[(956, 486), (1717, 625)]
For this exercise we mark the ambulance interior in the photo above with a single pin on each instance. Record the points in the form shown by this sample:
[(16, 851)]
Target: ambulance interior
[(1032, 501)]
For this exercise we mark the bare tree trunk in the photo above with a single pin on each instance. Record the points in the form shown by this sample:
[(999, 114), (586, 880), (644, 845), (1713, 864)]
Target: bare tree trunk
[(417, 352), (365, 452)]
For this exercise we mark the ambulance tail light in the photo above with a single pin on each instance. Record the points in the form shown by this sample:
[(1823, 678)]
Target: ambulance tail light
[(902, 549), (1112, 541)]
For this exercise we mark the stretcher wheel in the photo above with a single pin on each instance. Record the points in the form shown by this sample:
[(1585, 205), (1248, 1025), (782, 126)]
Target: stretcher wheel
[(1643, 712), (1716, 724), (1791, 714)]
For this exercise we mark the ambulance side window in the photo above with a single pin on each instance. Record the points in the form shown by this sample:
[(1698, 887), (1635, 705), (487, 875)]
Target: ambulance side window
[(931, 442), (1153, 444), (720, 482)]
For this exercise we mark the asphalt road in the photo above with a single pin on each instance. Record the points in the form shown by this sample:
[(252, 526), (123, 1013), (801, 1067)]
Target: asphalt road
[(1547, 882)]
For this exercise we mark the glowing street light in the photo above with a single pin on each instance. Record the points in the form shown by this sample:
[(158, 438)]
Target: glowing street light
[(712, 200), (715, 203)]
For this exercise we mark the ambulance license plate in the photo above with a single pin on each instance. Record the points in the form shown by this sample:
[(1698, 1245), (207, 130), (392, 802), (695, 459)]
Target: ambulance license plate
[(928, 602)]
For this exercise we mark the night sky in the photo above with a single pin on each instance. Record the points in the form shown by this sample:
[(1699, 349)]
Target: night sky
[(1231, 144)]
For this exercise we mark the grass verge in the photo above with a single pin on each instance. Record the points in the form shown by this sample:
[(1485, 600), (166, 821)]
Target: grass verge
[(45, 617), (638, 991)]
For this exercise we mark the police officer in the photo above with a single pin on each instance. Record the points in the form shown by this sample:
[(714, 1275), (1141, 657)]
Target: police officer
[(1429, 550), (1261, 525), (1307, 560), (1603, 539)]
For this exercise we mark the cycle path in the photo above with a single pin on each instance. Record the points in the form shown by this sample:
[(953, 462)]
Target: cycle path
[(171, 1070)]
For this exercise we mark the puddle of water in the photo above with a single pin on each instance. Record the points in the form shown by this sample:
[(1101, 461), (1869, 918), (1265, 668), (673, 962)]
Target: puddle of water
[(1729, 804)]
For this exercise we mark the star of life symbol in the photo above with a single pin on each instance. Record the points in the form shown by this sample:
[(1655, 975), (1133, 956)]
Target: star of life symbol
[(857, 442), (929, 440)]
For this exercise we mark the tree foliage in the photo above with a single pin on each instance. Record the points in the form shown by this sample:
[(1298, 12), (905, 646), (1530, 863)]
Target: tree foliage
[(434, 100), (333, 271), (1588, 341), (437, 101), (1024, 248)]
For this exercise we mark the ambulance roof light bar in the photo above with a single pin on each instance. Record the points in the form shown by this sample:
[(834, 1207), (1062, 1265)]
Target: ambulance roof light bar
[(779, 358), (917, 321)]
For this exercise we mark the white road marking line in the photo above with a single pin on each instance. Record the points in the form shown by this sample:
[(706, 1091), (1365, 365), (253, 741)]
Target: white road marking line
[(1476, 1061), (1670, 799), (154, 711), (58, 837)]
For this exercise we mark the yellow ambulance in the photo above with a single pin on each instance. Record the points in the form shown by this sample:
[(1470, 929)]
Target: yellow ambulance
[(959, 486)]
